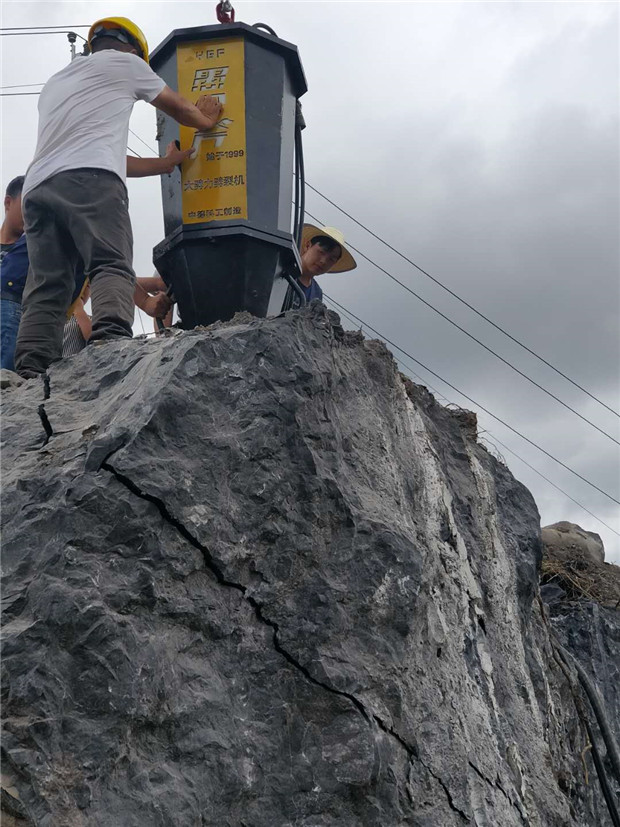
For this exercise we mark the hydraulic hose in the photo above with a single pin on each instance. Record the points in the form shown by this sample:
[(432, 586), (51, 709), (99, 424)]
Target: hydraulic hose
[(602, 777), (265, 27), (300, 178), (296, 197), (295, 288), (302, 186), (597, 706)]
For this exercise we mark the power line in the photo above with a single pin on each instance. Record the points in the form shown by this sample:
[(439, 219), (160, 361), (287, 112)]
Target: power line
[(32, 28), (22, 85), (17, 94), (456, 325), (473, 401), (471, 336), (489, 434), (402, 364), (31, 34), (9, 94), (144, 142), (462, 300), (561, 490)]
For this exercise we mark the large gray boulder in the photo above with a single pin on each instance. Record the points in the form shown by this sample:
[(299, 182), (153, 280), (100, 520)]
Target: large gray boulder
[(253, 578), (568, 541)]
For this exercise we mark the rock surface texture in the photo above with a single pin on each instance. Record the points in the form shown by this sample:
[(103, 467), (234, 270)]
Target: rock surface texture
[(254, 579)]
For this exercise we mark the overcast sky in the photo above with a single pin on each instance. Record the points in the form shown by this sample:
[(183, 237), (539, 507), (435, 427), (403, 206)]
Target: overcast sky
[(479, 139)]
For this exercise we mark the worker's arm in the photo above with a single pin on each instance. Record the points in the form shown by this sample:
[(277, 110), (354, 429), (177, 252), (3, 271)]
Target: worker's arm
[(83, 319), (156, 306), (141, 167), (204, 115), (152, 284)]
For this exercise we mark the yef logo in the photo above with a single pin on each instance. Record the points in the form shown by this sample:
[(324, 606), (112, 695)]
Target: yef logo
[(206, 80)]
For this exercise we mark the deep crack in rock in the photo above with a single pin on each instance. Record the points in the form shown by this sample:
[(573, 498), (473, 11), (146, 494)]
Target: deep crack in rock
[(47, 426), (166, 514), (173, 521)]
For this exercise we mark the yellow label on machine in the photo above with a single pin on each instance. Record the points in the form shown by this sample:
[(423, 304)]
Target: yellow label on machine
[(214, 180)]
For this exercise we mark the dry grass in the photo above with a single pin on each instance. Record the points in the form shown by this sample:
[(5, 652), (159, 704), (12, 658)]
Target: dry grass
[(582, 579)]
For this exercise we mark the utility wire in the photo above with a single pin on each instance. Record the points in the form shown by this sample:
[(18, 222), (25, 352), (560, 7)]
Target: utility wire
[(22, 86), (349, 314), (413, 293), (473, 401), (9, 94), (144, 142), (462, 300), (561, 490), (32, 28), (492, 438), (471, 336), (30, 34), (402, 364)]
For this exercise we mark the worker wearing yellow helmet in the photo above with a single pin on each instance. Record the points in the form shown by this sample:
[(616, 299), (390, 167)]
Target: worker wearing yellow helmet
[(123, 30), (74, 196)]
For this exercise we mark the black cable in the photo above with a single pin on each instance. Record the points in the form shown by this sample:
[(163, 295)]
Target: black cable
[(299, 153), (463, 301), (486, 347), (605, 730), (602, 777), (265, 27), (473, 401), (296, 194), (492, 436), (17, 94)]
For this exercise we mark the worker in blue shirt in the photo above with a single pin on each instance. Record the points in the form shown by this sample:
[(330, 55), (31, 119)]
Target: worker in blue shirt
[(322, 251), (13, 270)]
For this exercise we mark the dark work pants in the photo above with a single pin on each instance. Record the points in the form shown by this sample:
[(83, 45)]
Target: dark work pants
[(78, 214)]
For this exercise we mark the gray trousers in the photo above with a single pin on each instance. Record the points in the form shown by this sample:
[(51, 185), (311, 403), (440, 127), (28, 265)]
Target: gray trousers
[(78, 215)]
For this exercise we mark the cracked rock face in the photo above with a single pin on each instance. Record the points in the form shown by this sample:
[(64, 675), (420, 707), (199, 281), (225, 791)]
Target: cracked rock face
[(252, 578)]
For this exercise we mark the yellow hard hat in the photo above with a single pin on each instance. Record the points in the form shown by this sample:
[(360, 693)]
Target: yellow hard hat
[(115, 25)]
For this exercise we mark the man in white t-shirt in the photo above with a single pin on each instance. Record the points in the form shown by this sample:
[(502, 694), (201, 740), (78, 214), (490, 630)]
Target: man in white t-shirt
[(74, 195)]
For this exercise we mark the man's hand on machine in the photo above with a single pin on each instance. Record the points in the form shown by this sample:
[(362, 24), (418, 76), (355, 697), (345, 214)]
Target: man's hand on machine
[(158, 305), (151, 295), (176, 156), (210, 108)]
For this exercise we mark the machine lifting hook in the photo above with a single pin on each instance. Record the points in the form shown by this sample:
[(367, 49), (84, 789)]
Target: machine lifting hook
[(225, 12)]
